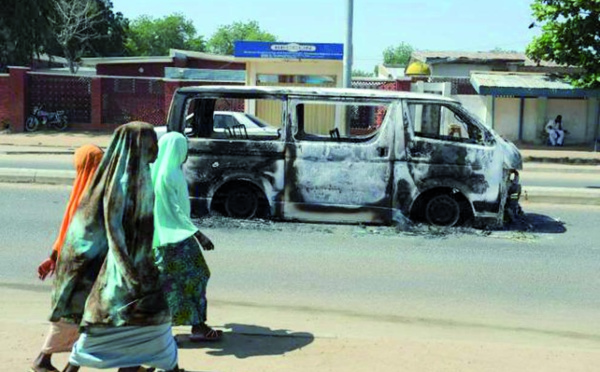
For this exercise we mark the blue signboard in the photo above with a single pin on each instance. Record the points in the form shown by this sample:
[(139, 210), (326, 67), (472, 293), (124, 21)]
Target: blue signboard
[(262, 49)]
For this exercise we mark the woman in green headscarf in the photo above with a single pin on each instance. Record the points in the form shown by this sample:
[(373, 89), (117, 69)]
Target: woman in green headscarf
[(184, 272), (106, 278)]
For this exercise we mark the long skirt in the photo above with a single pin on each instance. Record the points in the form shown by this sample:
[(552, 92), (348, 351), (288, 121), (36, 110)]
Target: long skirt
[(61, 337), (122, 347), (184, 276)]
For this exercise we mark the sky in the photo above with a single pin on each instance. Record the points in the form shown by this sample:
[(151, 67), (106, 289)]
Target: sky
[(435, 25)]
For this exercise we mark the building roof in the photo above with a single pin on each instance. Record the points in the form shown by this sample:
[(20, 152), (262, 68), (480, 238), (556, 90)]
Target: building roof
[(524, 84), (390, 71), (173, 53), (81, 71), (476, 58)]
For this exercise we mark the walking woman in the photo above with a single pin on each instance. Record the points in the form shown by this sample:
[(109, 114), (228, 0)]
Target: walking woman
[(184, 272), (106, 279), (62, 335)]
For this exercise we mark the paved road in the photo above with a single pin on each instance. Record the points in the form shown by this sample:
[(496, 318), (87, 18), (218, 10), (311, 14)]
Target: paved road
[(41, 161), (528, 178), (541, 282)]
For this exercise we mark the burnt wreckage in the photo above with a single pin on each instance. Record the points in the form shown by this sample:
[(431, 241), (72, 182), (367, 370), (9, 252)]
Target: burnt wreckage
[(344, 155)]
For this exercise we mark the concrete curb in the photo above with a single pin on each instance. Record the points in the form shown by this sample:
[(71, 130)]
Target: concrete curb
[(560, 168), (561, 195), (37, 152), (531, 194), (40, 176)]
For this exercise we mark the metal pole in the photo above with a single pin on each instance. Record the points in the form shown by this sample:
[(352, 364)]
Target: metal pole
[(348, 45), (344, 120)]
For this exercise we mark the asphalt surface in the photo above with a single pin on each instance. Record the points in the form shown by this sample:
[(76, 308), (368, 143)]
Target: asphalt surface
[(541, 280), (533, 175)]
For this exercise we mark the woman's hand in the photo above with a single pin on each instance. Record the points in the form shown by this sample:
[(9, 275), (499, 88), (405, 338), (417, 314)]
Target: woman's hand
[(46, 268), (205, 242)]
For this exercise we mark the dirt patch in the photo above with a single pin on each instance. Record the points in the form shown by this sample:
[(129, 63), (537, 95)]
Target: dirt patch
[(562, 160), (525, 228)]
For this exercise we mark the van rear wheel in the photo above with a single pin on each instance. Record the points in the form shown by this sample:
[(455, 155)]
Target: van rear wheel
[(241, 202), (442, 210)]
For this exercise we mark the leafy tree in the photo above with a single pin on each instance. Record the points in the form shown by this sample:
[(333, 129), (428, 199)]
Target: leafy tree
[(155, 36), (73, 23), (24, 30), (502, 50), (221, 42), (112, 29), (85, 28), (361, 73), (570, 36), (397, 55)]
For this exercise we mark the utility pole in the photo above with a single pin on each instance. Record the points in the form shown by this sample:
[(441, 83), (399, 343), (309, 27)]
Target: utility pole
[(344, 114), (348, 44)]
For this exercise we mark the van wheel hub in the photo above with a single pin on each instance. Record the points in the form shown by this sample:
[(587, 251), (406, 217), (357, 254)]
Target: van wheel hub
[(442, 210), (241, 202)]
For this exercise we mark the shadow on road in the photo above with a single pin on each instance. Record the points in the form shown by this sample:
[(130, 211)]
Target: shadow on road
[(245, 341), (537, 223)]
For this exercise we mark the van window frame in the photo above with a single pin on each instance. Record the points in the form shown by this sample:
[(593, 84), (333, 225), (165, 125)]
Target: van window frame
[(458, 110), (188, 98), (296, 100)]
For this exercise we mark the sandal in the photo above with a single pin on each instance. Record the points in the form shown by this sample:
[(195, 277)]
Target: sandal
[(210, 336), (43, 369)]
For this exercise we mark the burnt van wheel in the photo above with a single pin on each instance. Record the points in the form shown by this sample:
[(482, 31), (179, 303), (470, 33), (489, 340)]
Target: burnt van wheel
[(442, 210), (241, 202)]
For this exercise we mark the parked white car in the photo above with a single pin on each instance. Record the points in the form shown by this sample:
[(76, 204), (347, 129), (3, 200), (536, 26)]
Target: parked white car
[(224, 121)]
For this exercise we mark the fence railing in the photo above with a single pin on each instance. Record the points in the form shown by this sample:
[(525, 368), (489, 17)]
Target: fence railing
[(58, 92)]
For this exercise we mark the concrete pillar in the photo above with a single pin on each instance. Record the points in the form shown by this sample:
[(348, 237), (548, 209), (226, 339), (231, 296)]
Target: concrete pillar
[(96, 91), (18, 87), (403, 85), (591, 123), (169, 88), (542, 111), (489, 111), (252, 80)]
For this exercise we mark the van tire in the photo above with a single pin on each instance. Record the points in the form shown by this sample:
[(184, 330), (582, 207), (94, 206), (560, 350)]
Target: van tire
[(442, 210), (241, 202)]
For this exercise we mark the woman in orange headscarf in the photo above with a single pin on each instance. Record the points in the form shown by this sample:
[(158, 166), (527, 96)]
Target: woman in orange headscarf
[(62, 335)]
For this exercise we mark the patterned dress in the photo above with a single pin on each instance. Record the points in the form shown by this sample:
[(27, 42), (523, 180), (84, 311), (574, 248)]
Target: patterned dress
[(184, 276), (184, 273)]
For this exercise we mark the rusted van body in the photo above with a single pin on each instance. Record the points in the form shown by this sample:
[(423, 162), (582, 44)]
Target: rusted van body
[(380, 157)]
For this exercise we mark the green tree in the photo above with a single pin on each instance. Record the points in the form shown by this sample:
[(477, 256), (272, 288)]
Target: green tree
[(361, 73), (112, 31), (502, 50), (155, 36), (397, 55), (86, 28), (221, 42), (570, 36), (24, 30)]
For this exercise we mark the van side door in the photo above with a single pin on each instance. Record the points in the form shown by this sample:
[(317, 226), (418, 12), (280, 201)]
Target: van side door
[(447, 148), (338, 162)]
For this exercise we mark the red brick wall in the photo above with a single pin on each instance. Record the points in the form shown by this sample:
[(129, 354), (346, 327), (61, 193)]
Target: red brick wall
[(128, 99), (5, 99)]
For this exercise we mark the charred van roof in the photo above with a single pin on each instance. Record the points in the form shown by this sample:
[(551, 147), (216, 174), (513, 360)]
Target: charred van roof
[(310, 91)]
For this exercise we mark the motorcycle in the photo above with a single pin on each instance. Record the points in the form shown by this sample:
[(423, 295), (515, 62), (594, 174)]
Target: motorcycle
[(58, 119)]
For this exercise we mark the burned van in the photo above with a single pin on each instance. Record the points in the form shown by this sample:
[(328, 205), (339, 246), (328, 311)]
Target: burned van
[(343, 155)]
